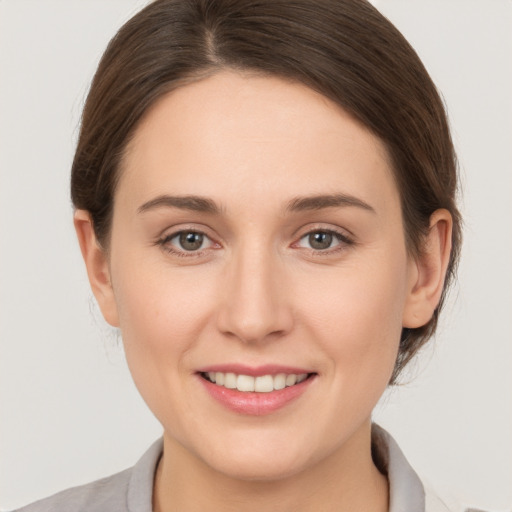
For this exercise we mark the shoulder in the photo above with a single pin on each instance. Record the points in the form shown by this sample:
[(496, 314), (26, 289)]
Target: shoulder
[(131, 489), (109, 493), (407, 491), (436, 502)]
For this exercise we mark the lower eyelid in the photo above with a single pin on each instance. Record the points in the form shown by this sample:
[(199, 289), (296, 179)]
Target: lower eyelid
[(342, 238), (173, 248)]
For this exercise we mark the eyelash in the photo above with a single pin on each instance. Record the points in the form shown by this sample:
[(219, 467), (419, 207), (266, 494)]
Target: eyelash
[(164, 243), (342, 238)]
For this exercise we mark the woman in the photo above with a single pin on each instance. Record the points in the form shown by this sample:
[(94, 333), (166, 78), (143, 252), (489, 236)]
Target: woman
[(265, 204)]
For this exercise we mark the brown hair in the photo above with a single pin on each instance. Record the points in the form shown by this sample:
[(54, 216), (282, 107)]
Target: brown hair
[(344, 49)]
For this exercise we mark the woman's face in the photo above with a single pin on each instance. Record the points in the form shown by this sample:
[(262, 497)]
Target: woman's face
[(257, 238)]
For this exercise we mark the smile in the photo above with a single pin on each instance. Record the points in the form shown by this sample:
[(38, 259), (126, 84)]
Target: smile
[(255, 391), (259, 384)]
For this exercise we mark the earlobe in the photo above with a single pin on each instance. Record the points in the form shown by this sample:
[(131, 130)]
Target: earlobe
[(428, 271), (96, 262)]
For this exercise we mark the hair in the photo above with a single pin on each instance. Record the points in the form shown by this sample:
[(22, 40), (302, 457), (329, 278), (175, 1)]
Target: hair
[(344, 49)]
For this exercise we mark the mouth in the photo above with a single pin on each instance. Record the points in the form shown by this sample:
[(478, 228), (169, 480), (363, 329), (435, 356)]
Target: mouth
[(256, 391), (255, 384)]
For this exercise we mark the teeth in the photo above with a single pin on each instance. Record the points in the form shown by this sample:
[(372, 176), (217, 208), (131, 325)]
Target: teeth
[(280, 381), (264, 384), (245, 383), (261, 384), (291, 379), (230, 381)]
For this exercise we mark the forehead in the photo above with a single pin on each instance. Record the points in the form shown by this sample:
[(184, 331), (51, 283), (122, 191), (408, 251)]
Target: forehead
[(253, 135)]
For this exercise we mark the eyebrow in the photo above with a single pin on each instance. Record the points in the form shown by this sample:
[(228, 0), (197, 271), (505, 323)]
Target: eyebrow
[(297, 204), (326, 201), (192, 203)]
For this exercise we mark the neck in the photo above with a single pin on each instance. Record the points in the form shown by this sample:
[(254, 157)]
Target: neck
[(345, 481)]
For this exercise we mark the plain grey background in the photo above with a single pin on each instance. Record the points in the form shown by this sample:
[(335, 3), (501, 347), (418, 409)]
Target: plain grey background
[(69, 412)]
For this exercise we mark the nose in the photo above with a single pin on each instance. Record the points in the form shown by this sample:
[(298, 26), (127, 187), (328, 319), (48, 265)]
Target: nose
[(254, 306)]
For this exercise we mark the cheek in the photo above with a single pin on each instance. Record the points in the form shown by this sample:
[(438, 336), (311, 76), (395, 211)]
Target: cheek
[(161, 316), (357, 318), (158, 305)]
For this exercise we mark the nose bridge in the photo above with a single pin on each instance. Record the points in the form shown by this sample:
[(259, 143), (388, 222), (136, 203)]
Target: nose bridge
[(255, 305)]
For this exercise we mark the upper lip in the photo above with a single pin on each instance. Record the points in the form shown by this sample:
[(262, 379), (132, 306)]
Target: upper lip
[(253, 371)]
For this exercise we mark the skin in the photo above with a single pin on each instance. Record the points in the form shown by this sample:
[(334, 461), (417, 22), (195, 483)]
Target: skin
[(257, 292)]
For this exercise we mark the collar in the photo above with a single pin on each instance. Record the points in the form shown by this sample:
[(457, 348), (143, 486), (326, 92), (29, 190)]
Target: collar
[(406, 492)]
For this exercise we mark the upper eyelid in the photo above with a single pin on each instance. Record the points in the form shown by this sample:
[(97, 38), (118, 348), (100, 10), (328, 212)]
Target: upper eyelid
[(341, 237), (315, 227), (330, 231), (164, 239), (163, 242), (174, 234), (172, 231)]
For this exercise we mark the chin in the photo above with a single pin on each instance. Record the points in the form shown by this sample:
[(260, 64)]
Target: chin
[(260, 457), (258, 469)]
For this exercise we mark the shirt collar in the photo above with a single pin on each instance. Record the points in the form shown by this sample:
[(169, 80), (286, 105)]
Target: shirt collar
[(406, 492), (140, 488)]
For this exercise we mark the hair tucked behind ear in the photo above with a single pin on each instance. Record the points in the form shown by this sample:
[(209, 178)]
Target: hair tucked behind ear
[(344, 49)]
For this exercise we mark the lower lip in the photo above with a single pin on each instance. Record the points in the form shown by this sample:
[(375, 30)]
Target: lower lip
[(255, 404)]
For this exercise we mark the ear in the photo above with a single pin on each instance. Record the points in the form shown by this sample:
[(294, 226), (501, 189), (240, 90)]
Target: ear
[(428, 271), (96, 262)]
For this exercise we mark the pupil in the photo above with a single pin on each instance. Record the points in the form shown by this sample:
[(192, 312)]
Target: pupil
[(191, 241), (320, 240)]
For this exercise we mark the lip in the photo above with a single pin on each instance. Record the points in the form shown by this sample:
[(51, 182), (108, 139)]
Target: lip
[(253, 403), (253, 371)]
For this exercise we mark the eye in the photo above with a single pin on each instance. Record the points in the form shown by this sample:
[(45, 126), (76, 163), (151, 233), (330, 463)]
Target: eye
[(186, 241), (189, 241), (323, 240)]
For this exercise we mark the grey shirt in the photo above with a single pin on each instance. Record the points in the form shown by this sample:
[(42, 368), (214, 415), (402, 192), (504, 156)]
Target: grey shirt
[(132, 490)]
